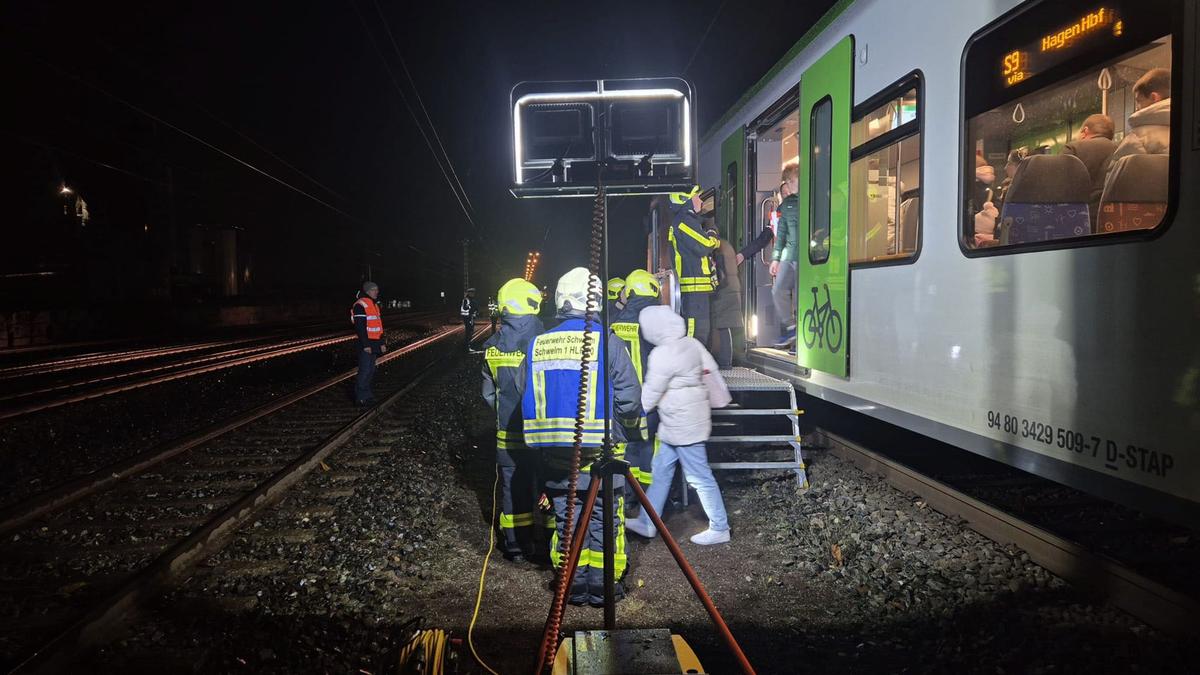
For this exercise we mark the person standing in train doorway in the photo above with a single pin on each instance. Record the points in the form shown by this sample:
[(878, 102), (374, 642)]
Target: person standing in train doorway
[(785, 255), (693, 249), (368, 324)]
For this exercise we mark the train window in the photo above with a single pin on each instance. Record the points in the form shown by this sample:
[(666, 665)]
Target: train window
[(819, 180), (1068, 125), (885, 176)]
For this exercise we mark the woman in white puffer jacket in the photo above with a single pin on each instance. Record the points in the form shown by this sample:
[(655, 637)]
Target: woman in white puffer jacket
[(674, 384)]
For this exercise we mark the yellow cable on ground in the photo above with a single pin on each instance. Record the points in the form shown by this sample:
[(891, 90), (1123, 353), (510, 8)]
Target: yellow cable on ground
[(429, 646), (483, 575)]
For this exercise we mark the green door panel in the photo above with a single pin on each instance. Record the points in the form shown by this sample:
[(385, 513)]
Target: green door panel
[(731, 209), (823, 278)]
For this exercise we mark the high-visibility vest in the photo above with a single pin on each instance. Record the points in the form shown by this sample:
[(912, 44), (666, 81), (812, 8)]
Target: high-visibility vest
[(696, 274), (630, 334), (552, 382), (374, 318), (509, 432)]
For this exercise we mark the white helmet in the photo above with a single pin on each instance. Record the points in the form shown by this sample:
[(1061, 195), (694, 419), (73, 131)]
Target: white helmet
[(574, 289)]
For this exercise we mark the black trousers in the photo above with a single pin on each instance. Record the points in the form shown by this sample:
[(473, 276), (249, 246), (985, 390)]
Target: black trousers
[(695, 310), (520, 519)]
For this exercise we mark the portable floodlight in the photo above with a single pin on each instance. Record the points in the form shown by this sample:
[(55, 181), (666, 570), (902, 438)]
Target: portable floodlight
[(639, 133)]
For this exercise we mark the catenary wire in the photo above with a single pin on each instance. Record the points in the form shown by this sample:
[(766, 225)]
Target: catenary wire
[(184, 132), (408, 106), (421, 102), (696, 50)]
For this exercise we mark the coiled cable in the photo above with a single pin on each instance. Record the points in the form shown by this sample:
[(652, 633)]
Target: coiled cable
[(594, 298)]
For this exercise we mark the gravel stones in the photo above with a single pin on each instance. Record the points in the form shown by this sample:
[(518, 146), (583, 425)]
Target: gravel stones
[(849, 576)]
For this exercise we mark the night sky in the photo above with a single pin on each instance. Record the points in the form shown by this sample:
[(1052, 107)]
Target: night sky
[(300, 91)]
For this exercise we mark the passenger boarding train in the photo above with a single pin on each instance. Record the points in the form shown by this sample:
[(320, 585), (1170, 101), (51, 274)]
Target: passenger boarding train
[(966, 272)]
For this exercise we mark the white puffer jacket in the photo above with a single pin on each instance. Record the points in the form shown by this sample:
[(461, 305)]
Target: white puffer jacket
[(674, 381), (1149, 132)]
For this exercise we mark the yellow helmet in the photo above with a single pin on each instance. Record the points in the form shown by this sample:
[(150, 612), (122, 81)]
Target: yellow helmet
[(641, 282), (518, 297), (684, 197), (615, 285)]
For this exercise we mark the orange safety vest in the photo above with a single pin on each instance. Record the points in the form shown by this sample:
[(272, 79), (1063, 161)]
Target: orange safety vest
[(374, 318)]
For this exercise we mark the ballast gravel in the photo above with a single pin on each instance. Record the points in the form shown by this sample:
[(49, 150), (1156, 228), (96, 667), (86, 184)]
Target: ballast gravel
[(848, 576)]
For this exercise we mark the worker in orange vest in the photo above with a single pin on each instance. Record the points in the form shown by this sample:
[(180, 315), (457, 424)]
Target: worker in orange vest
[(368, 323)]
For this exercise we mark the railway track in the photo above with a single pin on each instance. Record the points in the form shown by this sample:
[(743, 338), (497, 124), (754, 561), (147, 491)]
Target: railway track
[(1154, 603), (76, 560), (97, 375)]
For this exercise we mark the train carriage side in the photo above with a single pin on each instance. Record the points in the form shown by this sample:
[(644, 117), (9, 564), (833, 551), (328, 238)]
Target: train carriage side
[(1044, 315)]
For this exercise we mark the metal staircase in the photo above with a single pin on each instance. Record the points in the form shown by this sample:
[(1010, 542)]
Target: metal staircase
[(757, 396)]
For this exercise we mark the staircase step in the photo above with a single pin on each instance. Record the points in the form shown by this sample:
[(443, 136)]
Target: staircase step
[(757, 411), (755, 439)]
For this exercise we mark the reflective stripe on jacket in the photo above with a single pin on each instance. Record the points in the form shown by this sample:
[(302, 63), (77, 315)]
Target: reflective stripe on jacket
[(552, 386), (365, 306), (692, 248), (504, 376)]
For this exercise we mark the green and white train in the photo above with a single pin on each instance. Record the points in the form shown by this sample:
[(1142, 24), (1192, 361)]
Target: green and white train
[(1057, 330)]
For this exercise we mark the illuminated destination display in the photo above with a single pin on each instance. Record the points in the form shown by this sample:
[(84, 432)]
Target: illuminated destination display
[(1059, 45)]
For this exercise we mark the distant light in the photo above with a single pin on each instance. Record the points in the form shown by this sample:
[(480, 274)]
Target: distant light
[(146, 227), (65, 191), (443, 294)]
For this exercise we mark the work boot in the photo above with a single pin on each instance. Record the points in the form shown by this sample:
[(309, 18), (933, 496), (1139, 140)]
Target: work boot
[(710, 537), (641, 525)]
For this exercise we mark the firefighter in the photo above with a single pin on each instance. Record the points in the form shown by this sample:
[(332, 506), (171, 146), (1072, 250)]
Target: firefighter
[(693, 250), (467, 312), (550, 406), (368, 323), (503, 384), (641, 290), (613, 290)]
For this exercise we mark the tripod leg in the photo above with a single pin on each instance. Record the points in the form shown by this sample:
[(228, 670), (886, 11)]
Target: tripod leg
[(694, 580), (610, 561)]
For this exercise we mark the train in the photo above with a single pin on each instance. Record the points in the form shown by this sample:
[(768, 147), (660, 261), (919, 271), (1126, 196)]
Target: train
[(1059, 337)]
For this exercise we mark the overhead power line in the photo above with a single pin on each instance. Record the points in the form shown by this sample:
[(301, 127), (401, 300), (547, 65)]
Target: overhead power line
[(421, 102), (138, 109), (696, 51), (403, 97)]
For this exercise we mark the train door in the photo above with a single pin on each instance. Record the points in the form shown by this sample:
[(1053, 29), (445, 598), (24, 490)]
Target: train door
[(823, 293), (733, 188), (771, 145)]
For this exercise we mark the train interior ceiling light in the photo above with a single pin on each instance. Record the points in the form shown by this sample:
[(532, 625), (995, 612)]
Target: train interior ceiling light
[(641, 131)]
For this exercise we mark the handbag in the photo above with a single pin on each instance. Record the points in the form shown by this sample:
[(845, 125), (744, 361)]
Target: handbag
[(718, 393)]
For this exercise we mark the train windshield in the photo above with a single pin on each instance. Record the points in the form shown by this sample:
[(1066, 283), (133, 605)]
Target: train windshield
[(1068, 129)]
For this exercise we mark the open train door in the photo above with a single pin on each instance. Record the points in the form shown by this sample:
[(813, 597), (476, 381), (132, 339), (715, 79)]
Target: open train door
[(823, 295), (730, 205)]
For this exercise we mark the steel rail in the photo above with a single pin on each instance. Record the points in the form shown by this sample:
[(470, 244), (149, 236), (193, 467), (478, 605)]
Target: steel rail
[(107, 616), (232, 354), (97, 359), (44, 503), (1150, 601), (190, 372)]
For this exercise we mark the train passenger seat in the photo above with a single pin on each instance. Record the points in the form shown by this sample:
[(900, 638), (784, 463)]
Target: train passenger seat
[(1135, 193), (1048, 200)]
